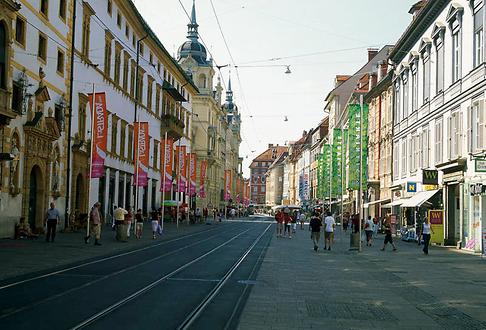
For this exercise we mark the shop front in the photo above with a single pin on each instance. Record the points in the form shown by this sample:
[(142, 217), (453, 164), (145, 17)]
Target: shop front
[(473, 227)]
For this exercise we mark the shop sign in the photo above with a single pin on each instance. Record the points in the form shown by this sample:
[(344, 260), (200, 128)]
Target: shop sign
[(436, 218), (477, 189), (411, 186), (430, 177), (430, 187), (480, 165)]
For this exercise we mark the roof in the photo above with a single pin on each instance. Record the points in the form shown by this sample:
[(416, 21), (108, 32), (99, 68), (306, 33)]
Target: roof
[(269, 155), (348, 86), (416, 29), (159, 44)]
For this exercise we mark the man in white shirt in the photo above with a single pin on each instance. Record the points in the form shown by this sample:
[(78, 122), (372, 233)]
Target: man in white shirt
[(329, 224)]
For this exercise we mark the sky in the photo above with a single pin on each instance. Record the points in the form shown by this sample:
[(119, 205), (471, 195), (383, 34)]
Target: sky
[(317, 39)]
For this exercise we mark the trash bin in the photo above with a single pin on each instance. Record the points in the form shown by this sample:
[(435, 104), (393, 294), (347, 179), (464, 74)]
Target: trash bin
[(354, 241), (121, 232)]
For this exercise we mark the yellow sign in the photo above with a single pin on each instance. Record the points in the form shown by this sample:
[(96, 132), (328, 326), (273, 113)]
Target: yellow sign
[(430, 187), (436, 218)]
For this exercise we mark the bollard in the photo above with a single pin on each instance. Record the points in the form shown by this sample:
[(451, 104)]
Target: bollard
[(354, 241)]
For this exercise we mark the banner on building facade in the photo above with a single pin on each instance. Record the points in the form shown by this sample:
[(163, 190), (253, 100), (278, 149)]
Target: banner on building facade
[(227, 185), (181, 168), (354, 132), (192, 162), (166, 165), (320, 158), (344, 158), (237, 192), (337, 144), (99, 129), (142, 150), (325, 171), (202, 178)]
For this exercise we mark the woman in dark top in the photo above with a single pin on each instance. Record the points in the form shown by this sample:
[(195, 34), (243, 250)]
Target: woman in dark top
[(138, 224), (315, 225), (388, 236)]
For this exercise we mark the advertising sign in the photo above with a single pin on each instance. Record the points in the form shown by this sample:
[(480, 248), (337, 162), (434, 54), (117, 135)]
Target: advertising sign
[(227, 185), (181, 168), (166, 165), (336, 162), (141, 153), (430, 177), (436, 218), (480, 165), (99, 124), (411, 186)]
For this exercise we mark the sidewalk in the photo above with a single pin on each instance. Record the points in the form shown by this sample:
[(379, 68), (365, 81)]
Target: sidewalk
[(297, 288), (24, 256)]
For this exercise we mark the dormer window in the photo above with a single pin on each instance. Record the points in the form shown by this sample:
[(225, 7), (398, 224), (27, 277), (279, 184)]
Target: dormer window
[(454, 19)]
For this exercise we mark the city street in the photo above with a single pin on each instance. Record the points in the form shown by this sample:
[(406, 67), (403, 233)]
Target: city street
[(174, 284), (237, 274)]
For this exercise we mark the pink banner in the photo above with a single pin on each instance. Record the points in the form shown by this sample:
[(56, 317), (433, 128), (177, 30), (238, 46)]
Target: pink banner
[(192, 173), (99, 122), (142, 153), (181, 166), (166, 165)]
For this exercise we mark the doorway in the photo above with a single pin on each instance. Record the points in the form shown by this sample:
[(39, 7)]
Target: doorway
[(36, 198), (453, 214), (79, 200)]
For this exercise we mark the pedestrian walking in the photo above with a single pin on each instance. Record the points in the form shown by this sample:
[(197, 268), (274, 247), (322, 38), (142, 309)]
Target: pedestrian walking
[(95, 220), (294, 221), (302, 220), (287, 221), (129, 219), (138, 224), (198, 214), (375, 227), (388, 235), (205, 214), (369, 231), (52, 218), (426, 231), (119, 214), (330, 223), (315, 225), (279, 219), (154, 217)]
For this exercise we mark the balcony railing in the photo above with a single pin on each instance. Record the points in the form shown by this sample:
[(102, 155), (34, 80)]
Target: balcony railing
[(173, 126)]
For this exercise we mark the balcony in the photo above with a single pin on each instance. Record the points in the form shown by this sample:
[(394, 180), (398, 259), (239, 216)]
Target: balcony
[(6, 113), (173, 126)]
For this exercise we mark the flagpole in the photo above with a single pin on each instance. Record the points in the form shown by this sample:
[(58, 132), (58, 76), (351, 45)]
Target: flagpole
[(137, 159), (177, 187), (163, 180), (360, 167), (93, 100)]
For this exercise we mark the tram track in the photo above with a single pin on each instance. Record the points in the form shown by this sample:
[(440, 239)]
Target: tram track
[(134, 295)]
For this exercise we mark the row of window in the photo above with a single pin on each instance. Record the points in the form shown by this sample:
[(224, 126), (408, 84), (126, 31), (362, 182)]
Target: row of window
[(44, 9), (417, 76), (414, 151)]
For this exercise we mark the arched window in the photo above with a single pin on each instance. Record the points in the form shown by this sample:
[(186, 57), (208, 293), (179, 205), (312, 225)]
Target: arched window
[(202, 81), (3, 55)]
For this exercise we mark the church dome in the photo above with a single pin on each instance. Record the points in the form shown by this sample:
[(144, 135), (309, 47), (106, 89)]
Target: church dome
[(195, 49)]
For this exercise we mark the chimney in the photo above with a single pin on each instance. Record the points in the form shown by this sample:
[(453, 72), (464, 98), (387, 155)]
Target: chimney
[(372, 53), (383, 69), (373, 79), (270, 145), (416, 8)]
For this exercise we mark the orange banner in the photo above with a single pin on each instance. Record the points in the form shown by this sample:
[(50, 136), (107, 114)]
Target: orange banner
[(166, 164), (192, 173), (227, 185), (142, 150), (99, 123)]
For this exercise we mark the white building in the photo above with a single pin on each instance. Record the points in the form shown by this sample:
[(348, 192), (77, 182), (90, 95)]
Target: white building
[(108, 34), (439, 117)]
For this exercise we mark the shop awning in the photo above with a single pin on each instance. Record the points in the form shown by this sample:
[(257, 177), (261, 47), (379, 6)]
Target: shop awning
[(173, 91), (367, 205), (419, 198), (394, 203)]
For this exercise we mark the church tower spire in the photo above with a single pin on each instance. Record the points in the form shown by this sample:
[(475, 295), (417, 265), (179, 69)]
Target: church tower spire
[(229, 92), (192, 26)]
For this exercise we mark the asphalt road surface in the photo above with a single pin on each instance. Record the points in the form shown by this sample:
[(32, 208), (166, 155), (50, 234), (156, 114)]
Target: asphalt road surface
[(198, 281)]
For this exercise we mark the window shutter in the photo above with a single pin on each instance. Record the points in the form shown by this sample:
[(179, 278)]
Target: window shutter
[(459, 135), (481, 115), (449, 142), (427, 148), (470, 128)]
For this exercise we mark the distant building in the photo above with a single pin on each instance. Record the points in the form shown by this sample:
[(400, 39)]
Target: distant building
[(258, 167), (274, 181)]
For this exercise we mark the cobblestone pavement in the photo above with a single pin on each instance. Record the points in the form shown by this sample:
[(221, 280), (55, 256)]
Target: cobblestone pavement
[(24, 256), (297, 288)]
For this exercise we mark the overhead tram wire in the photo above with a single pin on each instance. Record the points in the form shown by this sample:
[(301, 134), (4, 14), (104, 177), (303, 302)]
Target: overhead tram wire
[(245, 103)]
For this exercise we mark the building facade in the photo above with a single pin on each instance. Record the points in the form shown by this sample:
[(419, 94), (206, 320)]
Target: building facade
[(274, 181), (439, 118), (258, 167), (34, 84)]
